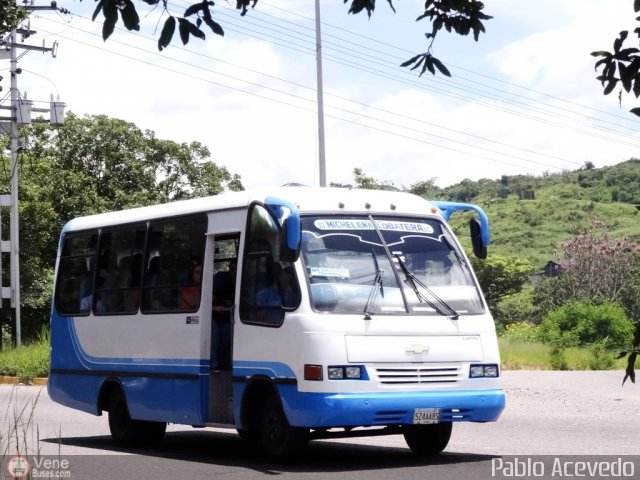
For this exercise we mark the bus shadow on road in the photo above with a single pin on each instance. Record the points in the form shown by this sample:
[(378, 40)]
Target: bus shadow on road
[(227, 449)]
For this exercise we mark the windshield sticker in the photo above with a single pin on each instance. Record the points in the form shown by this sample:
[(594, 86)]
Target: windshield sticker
[(328, 272), (386, 225)]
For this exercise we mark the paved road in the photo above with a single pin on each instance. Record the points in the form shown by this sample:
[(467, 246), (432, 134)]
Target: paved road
[(548, 413)]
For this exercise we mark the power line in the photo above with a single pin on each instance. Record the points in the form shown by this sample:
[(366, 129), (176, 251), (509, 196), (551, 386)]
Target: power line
[(342, 98), (525, 103), (408, 52), (342, 119)]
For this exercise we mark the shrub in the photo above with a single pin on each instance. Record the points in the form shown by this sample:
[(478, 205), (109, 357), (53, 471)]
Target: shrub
[(583, 323), (521, 331), (516, 308)]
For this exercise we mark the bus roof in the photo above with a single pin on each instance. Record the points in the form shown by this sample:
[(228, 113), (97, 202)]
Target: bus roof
[(307, 199)]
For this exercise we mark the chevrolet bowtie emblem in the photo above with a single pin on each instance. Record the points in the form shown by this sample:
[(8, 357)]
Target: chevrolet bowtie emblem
[(417, 348)]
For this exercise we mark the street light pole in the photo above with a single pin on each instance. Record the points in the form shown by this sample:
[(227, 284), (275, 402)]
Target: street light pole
[(13, 222), (321, 150)]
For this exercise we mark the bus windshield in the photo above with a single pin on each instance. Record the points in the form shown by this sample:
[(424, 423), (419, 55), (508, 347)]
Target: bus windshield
[(386, 265)]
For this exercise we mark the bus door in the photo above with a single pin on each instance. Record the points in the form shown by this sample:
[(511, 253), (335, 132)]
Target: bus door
[(224, 240)]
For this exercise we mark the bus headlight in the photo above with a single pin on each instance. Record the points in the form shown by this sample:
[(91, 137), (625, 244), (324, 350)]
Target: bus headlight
[(345, 372), (483, 371)]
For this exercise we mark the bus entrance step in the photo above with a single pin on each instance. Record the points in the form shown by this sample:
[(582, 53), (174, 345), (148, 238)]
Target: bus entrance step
[(220, 397)]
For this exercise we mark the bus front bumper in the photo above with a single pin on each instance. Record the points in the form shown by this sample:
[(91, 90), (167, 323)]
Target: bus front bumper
[(328, 410)]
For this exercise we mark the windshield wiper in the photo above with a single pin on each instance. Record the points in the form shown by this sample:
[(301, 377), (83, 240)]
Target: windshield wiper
[(390, 259), (377, 282), (442, 307)]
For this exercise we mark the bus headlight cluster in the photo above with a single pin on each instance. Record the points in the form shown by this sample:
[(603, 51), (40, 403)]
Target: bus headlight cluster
[(345, 373), (480, 371)]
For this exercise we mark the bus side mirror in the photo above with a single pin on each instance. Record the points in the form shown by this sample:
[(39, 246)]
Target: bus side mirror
[(290, 241), (479, 249)]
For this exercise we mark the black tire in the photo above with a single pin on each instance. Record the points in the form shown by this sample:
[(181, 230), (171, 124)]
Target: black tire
[(278, 439), (428, 440), (132, 433), (250, 438)]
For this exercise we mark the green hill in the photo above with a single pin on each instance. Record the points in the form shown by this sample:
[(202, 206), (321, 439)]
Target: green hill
[(531, 215)]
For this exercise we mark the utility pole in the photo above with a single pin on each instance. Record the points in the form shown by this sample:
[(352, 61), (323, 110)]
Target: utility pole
[(21, 110), (321, 153)]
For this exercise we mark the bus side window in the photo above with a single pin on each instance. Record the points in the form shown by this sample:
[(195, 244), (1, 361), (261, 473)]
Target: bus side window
[(75, 273), (117, 287), (174, 249)]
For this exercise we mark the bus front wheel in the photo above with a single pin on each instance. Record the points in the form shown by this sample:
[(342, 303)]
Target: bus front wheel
[(277, 438), (427, 440), (127, 432)]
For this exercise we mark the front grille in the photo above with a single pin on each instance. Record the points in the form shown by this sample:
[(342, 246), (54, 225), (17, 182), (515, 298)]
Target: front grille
[(418, 374)]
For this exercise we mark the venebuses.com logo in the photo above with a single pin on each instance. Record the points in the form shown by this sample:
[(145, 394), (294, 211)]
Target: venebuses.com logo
[(24, 467)]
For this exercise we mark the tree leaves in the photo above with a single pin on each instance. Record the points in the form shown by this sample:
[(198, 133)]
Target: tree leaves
[(459, 16), (10, 16), (243, 4), (110, 9), (620, 67), (187, 28), (167, 33), (428, 62), (369, 5), (129, 15), (110, 12)]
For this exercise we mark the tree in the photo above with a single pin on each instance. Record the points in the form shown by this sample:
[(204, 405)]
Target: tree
[(427, 189), (601, 269), (90, 165), (365, 181), (597, 267), (500, 276), (622, 66), (11, 15)]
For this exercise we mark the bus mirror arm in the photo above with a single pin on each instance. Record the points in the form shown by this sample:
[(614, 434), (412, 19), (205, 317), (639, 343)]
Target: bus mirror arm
[(479, 228)]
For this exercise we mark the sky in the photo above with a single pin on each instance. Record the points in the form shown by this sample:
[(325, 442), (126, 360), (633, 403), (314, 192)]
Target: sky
[(522, 100)]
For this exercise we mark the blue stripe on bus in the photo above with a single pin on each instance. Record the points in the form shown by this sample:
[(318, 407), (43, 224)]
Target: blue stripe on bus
[(272, 370)]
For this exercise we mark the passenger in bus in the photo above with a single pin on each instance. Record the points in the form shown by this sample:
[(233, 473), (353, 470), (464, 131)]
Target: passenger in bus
[(224, 289), (190, 296)]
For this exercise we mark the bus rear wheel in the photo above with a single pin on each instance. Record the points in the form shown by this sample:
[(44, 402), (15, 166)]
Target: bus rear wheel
[(127, 432), (427, 440), (278, 439)]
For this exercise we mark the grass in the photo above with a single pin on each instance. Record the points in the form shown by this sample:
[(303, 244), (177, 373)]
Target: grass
[(18, 433), (28, 361), (525, 355)]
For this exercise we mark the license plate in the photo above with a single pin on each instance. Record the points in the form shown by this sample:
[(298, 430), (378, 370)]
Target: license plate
[(423, 416)]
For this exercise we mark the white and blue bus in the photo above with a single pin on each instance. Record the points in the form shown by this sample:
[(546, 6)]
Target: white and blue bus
[(354, 313)]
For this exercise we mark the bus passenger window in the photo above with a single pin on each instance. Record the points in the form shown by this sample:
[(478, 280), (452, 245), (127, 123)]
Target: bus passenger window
[(75, 272), (173, 265)]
